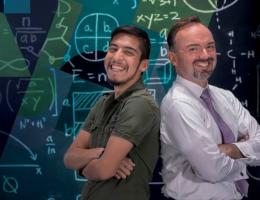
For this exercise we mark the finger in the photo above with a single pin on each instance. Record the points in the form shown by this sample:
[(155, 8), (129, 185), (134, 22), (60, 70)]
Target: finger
[(121, 174), (127, 167), (125, 170), (127, 164), (117, 176), (130, 162), (244, 136)]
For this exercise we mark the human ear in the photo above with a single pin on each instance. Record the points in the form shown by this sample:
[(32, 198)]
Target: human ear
[(172, 57), (144, 65)]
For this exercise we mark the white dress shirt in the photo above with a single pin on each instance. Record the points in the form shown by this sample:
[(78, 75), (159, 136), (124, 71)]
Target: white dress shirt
[(193, 166)]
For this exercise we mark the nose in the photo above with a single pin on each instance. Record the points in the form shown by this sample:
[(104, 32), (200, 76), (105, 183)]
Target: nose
[(204, 54), (118, 55)]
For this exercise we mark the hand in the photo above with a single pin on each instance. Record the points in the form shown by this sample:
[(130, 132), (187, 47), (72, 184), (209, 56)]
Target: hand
[(230, 150), (243, 138), (125, 168)]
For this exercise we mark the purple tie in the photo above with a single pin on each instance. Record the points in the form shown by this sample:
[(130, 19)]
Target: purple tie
[(226, 133)]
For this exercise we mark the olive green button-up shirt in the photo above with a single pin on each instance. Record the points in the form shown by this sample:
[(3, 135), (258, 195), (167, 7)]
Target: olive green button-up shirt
[(135, 117)]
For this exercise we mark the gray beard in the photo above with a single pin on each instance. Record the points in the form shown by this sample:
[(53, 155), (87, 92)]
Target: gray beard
[(202, 75)]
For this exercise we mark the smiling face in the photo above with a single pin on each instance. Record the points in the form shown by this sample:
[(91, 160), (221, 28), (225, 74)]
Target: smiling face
[(123, 62), (194, 54)]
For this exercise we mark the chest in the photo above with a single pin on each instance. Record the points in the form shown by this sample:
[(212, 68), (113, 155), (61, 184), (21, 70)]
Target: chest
[(104, 122), (227, 113)]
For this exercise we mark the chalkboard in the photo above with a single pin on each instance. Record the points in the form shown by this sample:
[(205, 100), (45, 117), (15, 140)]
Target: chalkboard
[(51, 74)]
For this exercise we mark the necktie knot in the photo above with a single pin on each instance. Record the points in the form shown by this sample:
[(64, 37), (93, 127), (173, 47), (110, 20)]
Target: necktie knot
[(205, 95)]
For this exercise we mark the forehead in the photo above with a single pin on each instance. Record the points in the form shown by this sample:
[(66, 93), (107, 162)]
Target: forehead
[(194, 34), (124, 39)]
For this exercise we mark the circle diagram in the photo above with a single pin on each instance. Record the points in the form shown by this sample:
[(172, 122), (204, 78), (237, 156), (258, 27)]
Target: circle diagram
[(92, 35)]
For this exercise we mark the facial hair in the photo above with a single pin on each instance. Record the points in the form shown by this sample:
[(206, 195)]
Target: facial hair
[(206, 73)]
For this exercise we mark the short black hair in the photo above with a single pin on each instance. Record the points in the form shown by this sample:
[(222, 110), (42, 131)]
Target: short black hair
[(137, 32), (179, 24)]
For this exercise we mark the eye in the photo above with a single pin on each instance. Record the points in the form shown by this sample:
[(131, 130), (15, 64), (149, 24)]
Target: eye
[(211, 47), (112, 49), (129, 52), (194, 49)]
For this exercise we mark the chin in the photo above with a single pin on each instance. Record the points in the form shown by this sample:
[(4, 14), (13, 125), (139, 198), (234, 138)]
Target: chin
[(114, 82)]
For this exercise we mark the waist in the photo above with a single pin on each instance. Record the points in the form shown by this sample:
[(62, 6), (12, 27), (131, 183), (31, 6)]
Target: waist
[(198, 189)]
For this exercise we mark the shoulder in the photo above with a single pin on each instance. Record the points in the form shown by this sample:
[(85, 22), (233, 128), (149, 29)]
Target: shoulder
[(142, 98), (222, 93), (176, 95), (219, 90), (97, 104), (141, 104), (103, 98)]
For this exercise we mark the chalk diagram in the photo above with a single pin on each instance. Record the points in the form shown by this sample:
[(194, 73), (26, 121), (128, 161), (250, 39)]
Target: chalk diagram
[(92, 35), (10, 64), (50, 44), (116, 2), (163, 67), (212, 5), (27, 159), (27, 36), (32, 155), (41, 93)]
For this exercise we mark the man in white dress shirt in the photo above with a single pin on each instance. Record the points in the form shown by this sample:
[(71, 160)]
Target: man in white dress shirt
[(197, 165)]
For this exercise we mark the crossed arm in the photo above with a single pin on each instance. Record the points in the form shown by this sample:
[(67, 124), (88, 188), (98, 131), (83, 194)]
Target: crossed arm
[(100, 163), (232, 150)]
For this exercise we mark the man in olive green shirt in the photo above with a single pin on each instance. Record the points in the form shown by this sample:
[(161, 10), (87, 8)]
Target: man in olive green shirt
[(118, 145)]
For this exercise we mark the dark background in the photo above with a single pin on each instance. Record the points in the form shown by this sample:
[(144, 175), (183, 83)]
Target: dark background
[(51, 74)]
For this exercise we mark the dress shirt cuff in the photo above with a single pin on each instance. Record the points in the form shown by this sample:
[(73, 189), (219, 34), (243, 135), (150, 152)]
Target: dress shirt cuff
[(246, 150), (243, 174)]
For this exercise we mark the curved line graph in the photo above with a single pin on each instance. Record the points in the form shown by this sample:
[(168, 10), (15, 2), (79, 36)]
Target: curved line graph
[(9, 64), (215, 8), (33, 156)]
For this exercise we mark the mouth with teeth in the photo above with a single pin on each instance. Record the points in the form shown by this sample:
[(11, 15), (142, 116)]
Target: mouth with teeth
[(116, 67), (203, 64)]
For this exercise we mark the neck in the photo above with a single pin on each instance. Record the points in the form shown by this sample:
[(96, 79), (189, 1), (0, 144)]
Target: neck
[(201, 83), (120, 89)]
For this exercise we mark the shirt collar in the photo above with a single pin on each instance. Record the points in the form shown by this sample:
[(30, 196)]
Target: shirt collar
[(194, 88)]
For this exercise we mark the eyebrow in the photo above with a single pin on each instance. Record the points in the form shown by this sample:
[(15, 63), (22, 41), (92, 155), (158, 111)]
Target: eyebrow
[(124, 47), (195, 44)]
